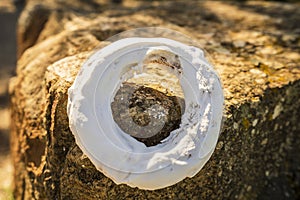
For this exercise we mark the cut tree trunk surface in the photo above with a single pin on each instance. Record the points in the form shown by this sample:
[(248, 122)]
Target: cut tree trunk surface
[(254, 47)]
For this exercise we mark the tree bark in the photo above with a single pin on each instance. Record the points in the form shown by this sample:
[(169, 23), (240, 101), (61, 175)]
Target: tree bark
[(255, 53)]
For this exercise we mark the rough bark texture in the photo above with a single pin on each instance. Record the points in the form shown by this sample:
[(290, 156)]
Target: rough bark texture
[(255, 48)]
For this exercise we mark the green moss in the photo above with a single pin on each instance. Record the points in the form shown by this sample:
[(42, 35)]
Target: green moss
[(245, 123)]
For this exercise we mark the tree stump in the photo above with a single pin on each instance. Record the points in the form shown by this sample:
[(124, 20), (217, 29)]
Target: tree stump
[(255, 50)]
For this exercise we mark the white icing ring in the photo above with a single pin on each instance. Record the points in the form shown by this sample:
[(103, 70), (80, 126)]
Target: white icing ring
[(118, 155)]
